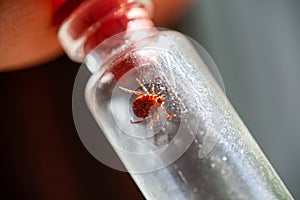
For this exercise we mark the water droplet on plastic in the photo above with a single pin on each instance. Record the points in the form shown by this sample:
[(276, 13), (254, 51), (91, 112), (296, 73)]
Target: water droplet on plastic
[(212, 165)]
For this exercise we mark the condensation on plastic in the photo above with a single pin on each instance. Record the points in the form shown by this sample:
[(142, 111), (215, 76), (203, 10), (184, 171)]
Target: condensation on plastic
[(205, 152)]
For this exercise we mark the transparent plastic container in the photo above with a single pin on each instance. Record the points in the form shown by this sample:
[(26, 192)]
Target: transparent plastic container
[(205, 151)]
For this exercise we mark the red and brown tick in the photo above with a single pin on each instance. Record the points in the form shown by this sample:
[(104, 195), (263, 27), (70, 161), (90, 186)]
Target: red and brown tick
[(146, 105)]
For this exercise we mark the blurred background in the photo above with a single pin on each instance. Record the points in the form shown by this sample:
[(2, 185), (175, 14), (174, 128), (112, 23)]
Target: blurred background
[(255, 44)]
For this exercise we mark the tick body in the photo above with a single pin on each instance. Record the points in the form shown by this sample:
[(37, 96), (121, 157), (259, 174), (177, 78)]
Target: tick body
[(147, 104)]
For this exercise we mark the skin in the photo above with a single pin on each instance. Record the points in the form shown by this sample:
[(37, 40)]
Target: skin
[(28, 37)]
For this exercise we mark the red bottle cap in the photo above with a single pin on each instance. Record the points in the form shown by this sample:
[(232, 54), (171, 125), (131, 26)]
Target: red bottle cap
[(62, 9), (86, 23)]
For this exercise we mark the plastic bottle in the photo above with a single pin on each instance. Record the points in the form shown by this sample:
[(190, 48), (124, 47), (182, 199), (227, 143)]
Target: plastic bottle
[(205, 151)]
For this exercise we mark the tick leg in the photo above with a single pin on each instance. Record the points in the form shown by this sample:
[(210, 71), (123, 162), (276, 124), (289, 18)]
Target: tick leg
[(142, 86), (137, 122), (131, 91), (166, 113), (157, 115), (152, 121), (152, 87)]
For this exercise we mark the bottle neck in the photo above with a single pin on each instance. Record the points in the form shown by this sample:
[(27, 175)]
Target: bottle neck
[(93, 21)]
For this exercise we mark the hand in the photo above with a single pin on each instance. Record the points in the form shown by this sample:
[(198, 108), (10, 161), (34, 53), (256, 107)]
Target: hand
[(29, 38)]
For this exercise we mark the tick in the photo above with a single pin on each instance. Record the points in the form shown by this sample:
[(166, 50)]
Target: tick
[(147, 104)]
